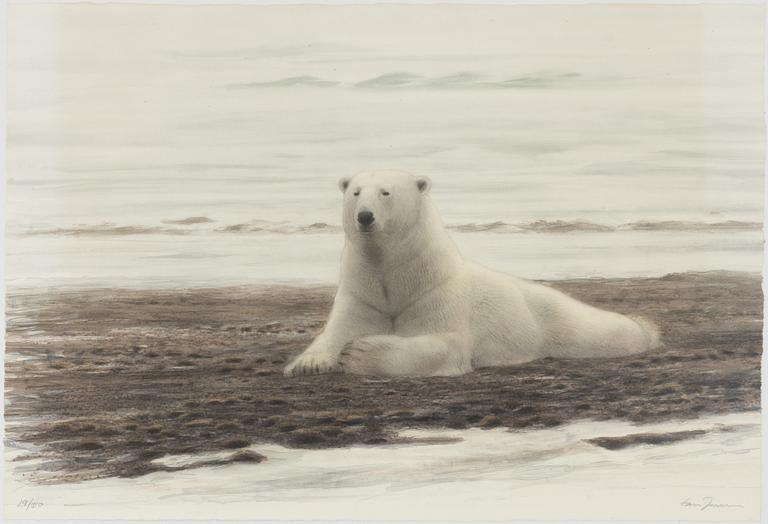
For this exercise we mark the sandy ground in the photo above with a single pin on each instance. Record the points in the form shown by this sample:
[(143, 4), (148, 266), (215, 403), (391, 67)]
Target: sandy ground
[(103, 383)]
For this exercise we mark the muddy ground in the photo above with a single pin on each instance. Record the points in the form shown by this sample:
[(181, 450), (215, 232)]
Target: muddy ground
[(102, 382)]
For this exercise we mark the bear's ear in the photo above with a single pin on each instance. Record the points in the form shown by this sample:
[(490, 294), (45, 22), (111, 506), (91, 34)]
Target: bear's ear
[(343, 183), (424, 184)]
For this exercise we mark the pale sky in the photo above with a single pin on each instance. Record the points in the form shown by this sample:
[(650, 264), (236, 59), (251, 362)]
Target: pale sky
[(647, 110)]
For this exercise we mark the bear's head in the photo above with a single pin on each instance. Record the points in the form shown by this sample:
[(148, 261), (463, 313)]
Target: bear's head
[(382, 203)]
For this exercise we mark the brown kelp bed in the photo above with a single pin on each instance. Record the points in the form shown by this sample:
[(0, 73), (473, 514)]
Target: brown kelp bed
[(102, 382)]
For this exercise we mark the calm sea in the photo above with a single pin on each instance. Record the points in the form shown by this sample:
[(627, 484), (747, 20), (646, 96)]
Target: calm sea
[(193, 146)]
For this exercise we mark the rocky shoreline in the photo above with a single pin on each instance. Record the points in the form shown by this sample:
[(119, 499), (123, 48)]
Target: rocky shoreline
[(103, 382)]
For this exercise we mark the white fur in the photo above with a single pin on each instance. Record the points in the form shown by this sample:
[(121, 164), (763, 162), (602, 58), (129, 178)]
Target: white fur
[(408, 304)]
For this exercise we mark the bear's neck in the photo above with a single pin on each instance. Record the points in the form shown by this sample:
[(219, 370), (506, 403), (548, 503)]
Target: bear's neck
[(395, 271)]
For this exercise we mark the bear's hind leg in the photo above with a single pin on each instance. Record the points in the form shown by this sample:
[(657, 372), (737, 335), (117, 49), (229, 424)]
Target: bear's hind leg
[(437, 354)]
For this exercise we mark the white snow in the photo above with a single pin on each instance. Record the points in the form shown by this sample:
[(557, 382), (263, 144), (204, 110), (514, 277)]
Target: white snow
[(487, 475)]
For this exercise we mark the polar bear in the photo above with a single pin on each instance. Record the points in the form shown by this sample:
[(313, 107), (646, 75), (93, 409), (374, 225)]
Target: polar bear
[(408, 304)]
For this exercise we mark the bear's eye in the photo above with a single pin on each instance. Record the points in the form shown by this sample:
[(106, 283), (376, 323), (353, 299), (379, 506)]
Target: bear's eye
[(385, 193), (356, 193)]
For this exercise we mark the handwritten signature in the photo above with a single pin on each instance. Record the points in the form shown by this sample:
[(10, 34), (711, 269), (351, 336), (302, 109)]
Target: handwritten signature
[(29, 504), (707, 503)]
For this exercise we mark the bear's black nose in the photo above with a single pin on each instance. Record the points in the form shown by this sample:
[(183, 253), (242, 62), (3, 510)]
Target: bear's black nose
[(365, 218)]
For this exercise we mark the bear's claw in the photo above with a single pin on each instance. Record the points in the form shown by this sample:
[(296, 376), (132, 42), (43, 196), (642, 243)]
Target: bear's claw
[(310, 364)]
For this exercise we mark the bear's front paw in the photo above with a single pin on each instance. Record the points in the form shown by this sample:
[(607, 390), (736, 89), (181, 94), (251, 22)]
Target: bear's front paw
[(361, 357), (311, 363)]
